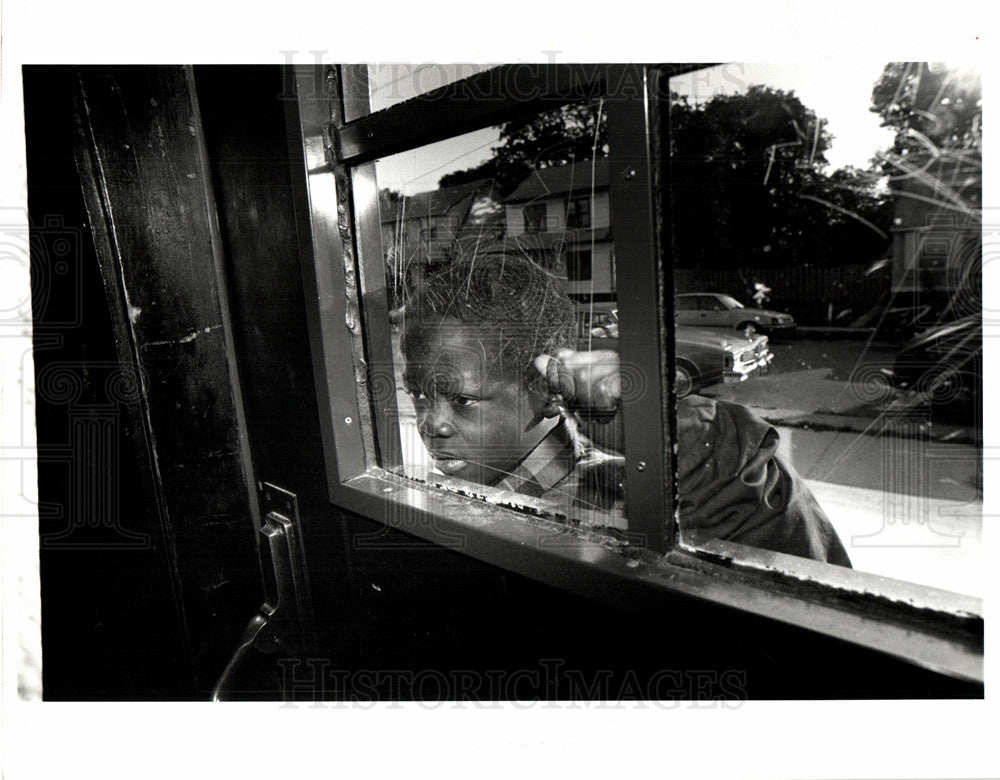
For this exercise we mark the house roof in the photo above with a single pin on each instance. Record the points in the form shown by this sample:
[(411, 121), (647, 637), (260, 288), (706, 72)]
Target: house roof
[(433, 202), (562, 179)]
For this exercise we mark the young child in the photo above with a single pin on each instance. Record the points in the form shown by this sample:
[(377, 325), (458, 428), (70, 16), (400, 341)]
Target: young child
[(489, 362)]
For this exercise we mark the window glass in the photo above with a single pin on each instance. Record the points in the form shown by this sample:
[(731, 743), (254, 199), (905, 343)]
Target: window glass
[(394, 82), (578, 213), (842, 229), (578, 264), (484, 276), (535, 217)]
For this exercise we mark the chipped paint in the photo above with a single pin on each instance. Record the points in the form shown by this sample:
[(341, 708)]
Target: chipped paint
[(843, 587), (351, 318), (183, 339), (589, 525)]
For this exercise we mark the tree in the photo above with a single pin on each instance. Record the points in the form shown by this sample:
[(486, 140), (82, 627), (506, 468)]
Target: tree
[(564, 135), (930, 106), (749, 187), (935, 170), (936, 155)]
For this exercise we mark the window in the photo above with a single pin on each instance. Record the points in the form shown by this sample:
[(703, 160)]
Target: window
[(578, 213), (838, 255), (728, 302), (473, 212), (379, 462), (534, 218), (391, 83), (578, 264)]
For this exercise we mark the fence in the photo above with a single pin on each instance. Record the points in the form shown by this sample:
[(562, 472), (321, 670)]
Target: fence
[(804, 292)]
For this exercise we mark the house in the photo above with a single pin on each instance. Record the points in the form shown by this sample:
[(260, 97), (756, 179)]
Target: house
[(937, 232), (561, 215), (423, 228)]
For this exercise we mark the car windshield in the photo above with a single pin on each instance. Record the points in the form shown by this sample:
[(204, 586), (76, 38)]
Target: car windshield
[(731, 303)]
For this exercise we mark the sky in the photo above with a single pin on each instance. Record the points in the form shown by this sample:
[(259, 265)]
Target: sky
[(838, 93)]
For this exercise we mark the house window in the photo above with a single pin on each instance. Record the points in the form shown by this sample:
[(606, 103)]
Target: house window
[(578, 213), (535, 218), (579, 264)]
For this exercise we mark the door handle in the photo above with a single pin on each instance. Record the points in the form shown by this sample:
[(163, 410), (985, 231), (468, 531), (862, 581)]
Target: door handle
[(284, 622)]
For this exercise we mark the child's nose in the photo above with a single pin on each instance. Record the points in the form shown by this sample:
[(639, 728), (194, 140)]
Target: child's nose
[(433, 422)]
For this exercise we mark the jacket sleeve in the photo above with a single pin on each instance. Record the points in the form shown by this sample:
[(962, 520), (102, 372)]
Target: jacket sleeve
[(733, 485)]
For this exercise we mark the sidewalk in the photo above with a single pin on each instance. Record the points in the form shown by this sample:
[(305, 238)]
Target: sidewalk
[(827, 332), (813, 400)]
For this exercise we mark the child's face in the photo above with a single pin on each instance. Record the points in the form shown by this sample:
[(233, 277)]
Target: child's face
[(477, 421)]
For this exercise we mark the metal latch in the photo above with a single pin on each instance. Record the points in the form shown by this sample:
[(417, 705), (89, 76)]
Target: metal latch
[(284, 623)]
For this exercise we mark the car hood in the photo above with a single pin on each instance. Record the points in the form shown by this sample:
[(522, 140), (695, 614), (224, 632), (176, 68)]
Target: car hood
[(754, 313), (712, 338)]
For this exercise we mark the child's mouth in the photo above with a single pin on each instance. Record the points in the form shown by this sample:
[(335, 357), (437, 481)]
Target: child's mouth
[(449, 465)]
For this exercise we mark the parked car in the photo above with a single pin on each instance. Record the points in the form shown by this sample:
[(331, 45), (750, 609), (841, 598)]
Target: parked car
[(703, 357), (716, 310), (943, 365), (706, 357), (598, 320)]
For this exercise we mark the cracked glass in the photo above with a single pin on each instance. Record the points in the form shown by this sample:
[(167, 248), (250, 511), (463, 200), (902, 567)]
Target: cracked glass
[(826, 249), (500, 272)]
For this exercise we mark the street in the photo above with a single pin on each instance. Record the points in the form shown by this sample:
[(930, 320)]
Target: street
[(904, 493), (838, 428)]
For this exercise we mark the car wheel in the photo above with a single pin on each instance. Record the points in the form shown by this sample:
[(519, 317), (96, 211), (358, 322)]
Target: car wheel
[(683, 382), (749, 329)]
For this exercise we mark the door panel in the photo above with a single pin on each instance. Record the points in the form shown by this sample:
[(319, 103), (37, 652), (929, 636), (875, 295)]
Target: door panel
[(147, 191)]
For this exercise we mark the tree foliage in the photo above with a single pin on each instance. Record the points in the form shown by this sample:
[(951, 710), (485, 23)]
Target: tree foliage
[(935, 169), (750, 187), (936, 156), (930, 106), (564, 135)]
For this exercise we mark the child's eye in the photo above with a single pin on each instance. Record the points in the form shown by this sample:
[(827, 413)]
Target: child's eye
[(415, 394), (464, 401)]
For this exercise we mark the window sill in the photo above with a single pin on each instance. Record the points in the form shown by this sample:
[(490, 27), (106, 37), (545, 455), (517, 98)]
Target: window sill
[(932, 629)]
